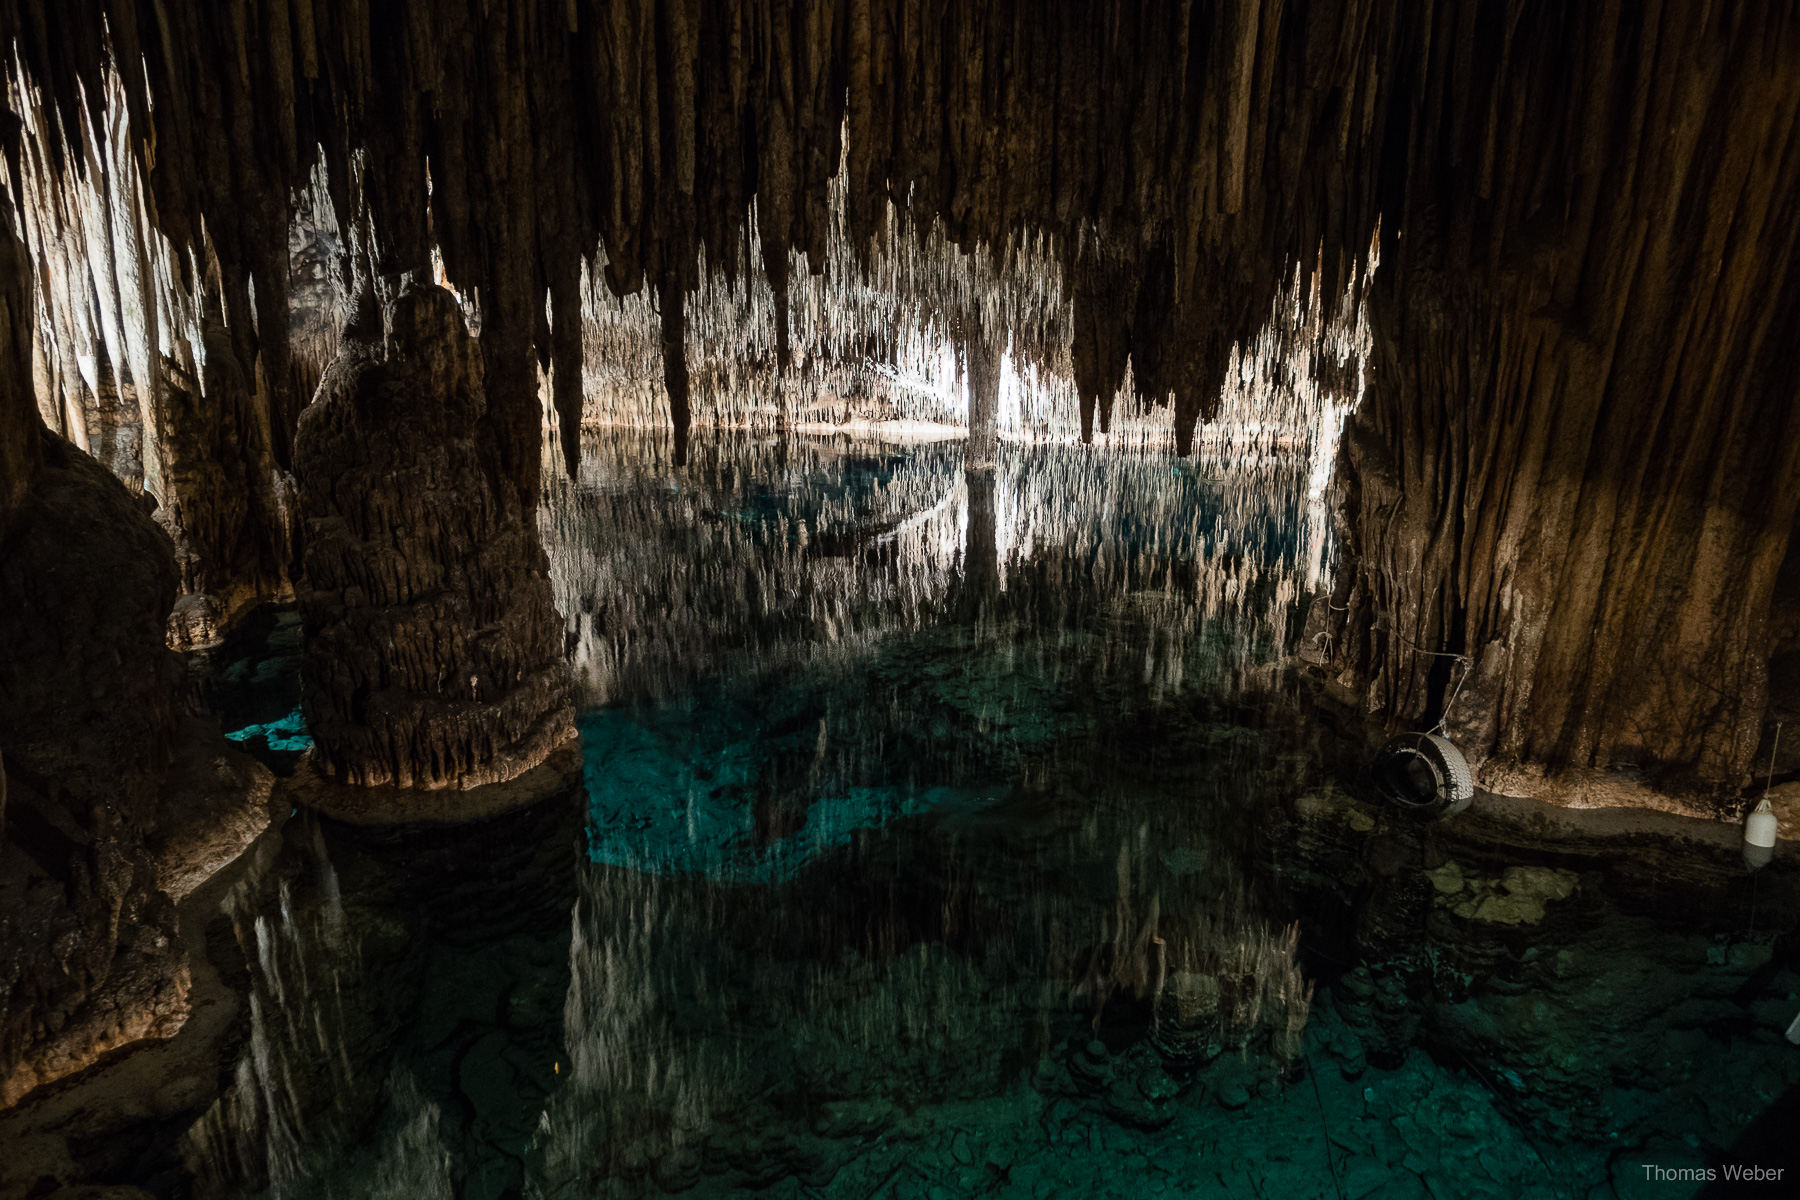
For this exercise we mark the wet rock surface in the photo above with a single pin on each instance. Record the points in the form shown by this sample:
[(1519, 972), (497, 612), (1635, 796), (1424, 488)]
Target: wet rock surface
[(115, 801), (433, 656), (418, 972), (88, 710), (1529, 944)]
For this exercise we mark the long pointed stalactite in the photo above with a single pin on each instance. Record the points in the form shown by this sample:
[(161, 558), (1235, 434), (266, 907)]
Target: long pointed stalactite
[(517, 138)]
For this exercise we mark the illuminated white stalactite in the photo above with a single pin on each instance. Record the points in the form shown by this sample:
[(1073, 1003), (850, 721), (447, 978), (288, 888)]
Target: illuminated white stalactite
[(880, 347), (645, 620), (109, 283)]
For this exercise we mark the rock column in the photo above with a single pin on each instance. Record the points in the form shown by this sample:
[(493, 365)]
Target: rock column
[(433, 651), (982, 353)]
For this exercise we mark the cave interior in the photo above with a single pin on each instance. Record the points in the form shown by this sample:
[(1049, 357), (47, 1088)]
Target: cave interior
[(899, 598)]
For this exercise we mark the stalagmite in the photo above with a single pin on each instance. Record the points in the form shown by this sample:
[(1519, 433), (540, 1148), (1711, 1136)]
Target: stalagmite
[(433, 655)]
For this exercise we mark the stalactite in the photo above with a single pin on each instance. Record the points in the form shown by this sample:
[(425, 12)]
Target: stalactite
[(675, 370), (127, 360), (873, 341), (982, 350), (549, 129), (317, 291)]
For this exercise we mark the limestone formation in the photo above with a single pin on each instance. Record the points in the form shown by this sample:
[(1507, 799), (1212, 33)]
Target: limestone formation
[(21, 443), (981, 350), (433, 653), (1575, 463), (88, 728)]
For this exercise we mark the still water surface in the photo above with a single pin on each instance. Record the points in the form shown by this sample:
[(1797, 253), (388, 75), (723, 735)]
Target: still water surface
[(925, 850)]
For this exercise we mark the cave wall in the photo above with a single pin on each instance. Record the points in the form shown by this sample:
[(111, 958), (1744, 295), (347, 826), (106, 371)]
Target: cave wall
[(1577, 460), (86, 724), (115, 802), (21, 449)]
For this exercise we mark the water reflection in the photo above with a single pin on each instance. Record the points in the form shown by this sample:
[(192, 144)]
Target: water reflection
[(944, 835), (780, 549), (902, 780), (404, 1022)]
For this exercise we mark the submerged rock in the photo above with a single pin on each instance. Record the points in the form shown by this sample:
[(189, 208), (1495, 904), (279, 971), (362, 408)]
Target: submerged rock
[(1518, 897)]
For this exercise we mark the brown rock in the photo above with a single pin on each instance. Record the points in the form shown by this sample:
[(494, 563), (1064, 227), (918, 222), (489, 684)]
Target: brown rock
[(87, 955), (20, 429), (433, 651), (216, 801)]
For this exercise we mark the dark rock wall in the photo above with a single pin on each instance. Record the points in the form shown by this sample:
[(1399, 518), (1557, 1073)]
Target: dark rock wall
[(433, 651), (87, 722), (1576, 461), (110, 802), (21, 447)]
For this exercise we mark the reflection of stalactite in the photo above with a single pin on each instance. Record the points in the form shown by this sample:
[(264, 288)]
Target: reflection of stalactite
[(293, 1084), (1213, 585), (981, 553), (1217, 974)]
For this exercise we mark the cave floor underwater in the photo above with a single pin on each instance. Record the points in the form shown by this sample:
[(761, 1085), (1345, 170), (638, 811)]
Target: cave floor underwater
[(951, 835)]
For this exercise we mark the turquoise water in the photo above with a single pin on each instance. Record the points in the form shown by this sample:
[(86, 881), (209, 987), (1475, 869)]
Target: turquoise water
[(942, 837)]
